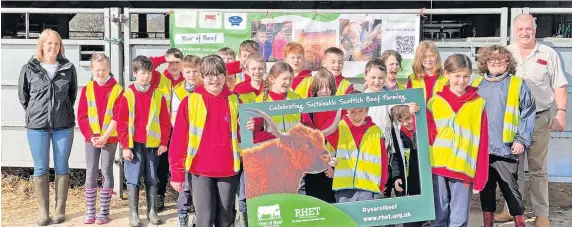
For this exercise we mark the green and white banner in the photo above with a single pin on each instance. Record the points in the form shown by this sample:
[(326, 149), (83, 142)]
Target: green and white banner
[(274, 169), (361, 37)]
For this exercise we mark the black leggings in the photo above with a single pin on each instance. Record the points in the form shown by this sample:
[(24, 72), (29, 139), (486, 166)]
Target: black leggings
[(163, 173), (503, 171)]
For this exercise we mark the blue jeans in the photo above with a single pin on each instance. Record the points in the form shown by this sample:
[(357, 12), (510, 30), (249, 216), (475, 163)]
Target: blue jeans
[(39, 142), (452, 202), (144, 163)]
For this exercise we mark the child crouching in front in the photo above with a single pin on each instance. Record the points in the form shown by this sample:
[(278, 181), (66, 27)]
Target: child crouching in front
[(358, 137), (143, 126)]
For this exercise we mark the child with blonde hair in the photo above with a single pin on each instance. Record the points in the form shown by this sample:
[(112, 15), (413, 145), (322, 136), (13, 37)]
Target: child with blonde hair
[(98, 107), (427, 71)]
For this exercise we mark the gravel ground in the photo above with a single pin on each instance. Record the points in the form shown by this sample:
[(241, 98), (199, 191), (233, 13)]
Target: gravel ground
[(14, 215)]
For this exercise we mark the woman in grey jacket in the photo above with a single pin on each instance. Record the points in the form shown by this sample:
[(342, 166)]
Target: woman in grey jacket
[(47, 90)]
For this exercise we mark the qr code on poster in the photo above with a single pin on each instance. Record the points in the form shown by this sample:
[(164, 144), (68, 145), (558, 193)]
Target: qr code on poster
[(405, 44)]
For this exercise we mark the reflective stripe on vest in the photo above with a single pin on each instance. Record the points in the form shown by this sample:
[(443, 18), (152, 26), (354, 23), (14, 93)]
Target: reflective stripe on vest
[(343, 87), (180, 91), (420, 83), (358, 168), (511, 113), (304, 87), (287, 121), (197, 118), (166, 87), (249, 97), (153, 124), (92, 115), (456, 146)]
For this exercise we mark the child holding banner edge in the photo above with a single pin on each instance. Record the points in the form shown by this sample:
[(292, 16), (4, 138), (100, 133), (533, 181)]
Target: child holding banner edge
[(364, 180), (458, 140), (320, 185)]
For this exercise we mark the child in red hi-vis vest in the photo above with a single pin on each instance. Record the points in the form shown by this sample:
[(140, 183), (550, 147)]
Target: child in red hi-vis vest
[(334, 62), (458, 139), (143, 127), (205, 146), (98, 106), (294, 53), (358, 141)]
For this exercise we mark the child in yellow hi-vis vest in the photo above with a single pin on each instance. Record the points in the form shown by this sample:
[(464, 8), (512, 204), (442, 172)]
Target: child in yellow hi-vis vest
[(205, 147), (143, 127), (511, 112), (165, 82), (98, 105), (361, 171), (191, 64), (427, 71), (458, 139), (186, 87)]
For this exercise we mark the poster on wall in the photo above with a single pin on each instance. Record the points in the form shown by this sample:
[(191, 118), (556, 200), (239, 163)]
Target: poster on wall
[(361, 37), (335, 172)]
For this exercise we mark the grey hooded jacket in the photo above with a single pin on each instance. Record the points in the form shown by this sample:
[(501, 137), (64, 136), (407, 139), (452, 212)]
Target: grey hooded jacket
[(48, 102)]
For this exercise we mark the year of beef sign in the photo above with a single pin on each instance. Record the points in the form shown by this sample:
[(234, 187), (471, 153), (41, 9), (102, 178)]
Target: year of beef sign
[(279, 169)]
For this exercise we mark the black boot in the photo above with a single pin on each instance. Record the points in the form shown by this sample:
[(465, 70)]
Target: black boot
[(133, 197), (160, 205), (151, 194)]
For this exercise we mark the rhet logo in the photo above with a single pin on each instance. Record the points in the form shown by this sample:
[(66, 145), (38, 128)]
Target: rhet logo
[(307, 212)]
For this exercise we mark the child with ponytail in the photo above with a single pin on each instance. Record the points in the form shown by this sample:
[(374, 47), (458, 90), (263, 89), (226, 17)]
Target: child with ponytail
[(320, 185)]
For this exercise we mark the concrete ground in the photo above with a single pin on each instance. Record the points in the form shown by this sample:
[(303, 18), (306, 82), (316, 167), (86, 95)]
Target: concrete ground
[(561, 218)]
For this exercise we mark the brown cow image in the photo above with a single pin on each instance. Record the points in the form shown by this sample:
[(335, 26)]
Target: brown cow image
[(278, 165)]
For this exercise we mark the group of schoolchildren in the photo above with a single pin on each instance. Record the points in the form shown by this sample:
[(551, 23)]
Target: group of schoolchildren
[(194, 115)]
